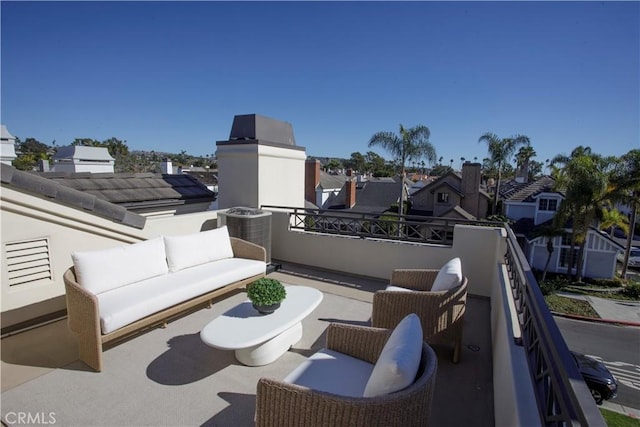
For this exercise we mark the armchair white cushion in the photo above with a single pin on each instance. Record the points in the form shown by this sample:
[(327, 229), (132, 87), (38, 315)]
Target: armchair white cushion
[(449, 276), (397, 289), (398, 363), (326, 370), (197, 248)]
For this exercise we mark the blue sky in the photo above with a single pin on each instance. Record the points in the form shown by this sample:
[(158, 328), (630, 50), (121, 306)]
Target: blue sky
[(170, 76)]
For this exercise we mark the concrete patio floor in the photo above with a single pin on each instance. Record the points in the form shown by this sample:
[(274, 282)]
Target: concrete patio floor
[(464, 391)]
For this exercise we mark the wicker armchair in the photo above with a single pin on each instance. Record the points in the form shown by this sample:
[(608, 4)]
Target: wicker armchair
[(280, 404), (441, 313)]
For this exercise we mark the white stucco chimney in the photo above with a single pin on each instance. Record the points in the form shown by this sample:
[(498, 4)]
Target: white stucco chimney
[(260, 164), (166, 167)]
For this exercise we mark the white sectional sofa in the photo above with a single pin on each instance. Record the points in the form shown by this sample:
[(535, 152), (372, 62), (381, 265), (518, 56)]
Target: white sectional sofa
[(114, 292)]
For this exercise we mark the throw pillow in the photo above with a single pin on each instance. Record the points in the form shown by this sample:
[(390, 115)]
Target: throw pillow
[(103, 270), (197, 248), (398, 363), (449, 276)]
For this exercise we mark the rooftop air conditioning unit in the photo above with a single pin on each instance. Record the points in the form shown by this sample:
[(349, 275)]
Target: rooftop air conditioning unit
[(252, 225)]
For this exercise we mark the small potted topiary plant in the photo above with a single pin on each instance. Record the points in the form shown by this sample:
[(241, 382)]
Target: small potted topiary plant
[(266, 294)]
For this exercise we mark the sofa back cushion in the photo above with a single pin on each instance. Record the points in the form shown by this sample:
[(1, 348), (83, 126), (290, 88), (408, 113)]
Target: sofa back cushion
[(102, 270), (399, 360), (197, 248), (449, 276)]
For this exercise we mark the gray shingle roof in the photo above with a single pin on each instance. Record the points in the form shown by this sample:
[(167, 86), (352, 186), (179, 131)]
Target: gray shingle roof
[(527, 192), (433, 185), (375, 195), (136, 190), (50, 189), (328, 181), (460, 212)]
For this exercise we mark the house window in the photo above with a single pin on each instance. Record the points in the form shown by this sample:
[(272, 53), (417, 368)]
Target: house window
[(564, 257), (443, 197), (547, 204)]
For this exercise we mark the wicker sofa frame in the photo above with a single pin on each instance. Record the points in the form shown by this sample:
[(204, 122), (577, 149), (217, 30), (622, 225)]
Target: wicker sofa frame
[(280, 404), (441, 313), (83, 313)]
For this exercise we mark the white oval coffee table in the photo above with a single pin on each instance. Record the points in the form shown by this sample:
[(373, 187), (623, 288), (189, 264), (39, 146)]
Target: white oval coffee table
[(260, 339)]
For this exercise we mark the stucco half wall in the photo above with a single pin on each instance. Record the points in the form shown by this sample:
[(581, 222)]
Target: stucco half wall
[(480, 249)]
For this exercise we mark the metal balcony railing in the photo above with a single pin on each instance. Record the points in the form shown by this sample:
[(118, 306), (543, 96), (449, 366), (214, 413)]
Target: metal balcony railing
[(561, 401), (407, 228)]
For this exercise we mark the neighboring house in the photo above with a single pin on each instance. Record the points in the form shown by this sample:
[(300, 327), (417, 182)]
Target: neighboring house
[(535, 200), (532, 206), (453, 195), (375, 195), (321, 187), (357, 196), (419, 181), (7, 146)]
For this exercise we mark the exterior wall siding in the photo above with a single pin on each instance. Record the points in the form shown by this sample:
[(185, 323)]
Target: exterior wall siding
[(518, 211)]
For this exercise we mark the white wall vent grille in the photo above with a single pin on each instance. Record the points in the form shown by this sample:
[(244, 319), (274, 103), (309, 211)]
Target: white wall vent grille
[(28, 262)]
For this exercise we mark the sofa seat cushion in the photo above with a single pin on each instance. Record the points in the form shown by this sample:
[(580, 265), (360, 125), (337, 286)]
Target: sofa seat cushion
[(126, 304), (332, 372), (103, 270)]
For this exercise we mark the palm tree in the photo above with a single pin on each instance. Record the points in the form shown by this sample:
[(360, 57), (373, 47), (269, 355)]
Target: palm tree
[(613, 218), (585, 178), (410, 144), (500, 150), (576, 152), (524, 155)]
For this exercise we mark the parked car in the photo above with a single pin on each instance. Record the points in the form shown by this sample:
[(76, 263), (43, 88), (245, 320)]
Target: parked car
[(634, 257), (601, 382)]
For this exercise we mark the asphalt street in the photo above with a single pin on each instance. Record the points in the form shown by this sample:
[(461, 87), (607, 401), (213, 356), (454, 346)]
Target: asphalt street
[(618, 347)]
